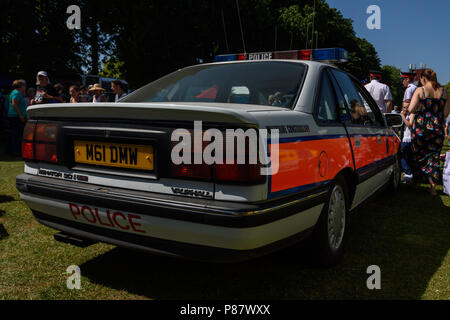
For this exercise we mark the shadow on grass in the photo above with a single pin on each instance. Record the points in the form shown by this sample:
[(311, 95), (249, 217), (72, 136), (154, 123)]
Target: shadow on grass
[(405, 235), (5, 199), (8, 157), (3, 233)]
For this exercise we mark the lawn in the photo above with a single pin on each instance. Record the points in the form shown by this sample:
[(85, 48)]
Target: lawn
[(407, 235)]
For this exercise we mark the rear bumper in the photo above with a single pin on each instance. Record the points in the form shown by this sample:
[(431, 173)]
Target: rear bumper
[(175, 249), (171, 225)]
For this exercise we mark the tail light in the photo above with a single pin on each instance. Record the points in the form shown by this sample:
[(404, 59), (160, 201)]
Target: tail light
[(46, 132), (28, 141), (46, 152), (27, 150), (194, 171), (243, 173), (45, 142), (39, 142), (228, 173)]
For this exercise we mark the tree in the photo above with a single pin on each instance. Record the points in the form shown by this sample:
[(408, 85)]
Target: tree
[(333, 30), (362, 60), (391, 77), (98, 28), (112, 68), (31, 39), (155, 37), (447, 86)]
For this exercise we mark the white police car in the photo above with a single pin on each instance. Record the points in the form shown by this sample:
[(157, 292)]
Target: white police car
[(159, 172)]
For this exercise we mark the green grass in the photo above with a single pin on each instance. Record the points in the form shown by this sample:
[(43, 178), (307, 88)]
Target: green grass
[(406, 235)]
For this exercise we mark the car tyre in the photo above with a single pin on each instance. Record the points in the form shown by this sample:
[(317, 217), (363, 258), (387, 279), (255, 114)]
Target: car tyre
[(330, 234), (394, 182)]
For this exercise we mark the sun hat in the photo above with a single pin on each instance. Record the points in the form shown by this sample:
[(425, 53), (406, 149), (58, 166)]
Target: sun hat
[(96, 87), (42, 73)]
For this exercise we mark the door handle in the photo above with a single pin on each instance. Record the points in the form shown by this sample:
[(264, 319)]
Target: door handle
[(379, 140), (387, 145), (357, 142)]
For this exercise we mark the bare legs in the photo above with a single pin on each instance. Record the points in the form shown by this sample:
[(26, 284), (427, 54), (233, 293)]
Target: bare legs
[(433, 191)]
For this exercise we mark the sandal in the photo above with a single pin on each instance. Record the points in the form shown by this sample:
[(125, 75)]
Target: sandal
[(433, 191)]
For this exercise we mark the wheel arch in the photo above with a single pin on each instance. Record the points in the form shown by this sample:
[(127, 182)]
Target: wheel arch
[(350, 178)]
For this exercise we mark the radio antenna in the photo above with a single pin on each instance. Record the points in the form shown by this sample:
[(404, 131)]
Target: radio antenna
[(312, 31), (225, 31), (275, 37), (240, 24)]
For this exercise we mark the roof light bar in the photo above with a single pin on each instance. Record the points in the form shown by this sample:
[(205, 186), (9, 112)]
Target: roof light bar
[(230, 57), (330, 55)]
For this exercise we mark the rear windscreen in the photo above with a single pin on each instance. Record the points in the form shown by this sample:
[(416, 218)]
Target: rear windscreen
[(270, 83)]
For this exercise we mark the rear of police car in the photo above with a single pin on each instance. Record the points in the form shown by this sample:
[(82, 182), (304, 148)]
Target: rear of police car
[(106, 172)]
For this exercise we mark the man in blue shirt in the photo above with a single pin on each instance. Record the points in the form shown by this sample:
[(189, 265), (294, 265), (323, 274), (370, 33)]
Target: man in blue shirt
[(17, 117)]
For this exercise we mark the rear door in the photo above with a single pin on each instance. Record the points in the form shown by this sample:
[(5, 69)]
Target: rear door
[(368, 135), (333, 144)]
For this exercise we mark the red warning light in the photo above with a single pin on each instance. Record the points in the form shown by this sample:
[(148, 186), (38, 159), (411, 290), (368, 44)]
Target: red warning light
[(305, 54)]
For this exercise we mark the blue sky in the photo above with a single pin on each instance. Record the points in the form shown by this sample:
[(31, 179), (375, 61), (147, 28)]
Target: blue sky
[(426, 39)]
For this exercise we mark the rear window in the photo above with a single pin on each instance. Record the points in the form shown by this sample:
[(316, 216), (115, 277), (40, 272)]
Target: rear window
[(262, 83)]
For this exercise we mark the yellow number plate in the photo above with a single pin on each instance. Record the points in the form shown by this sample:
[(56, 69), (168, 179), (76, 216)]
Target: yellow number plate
[(131, 156)]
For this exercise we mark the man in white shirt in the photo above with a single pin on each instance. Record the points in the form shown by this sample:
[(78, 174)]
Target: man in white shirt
[(408, 83), (117, 88), (380, 92)]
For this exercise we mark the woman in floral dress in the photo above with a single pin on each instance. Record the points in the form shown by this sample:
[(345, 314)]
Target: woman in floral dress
[(431, 106)]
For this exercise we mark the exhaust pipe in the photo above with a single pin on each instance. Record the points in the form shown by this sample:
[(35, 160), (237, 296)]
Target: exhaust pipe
[(73, 240)]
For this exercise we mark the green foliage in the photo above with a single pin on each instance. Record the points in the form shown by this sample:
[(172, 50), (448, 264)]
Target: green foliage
[(392, 76), (155, 37), (112, 68), (158, 37), (447, 86), (98, 23), (332, 30), (153, 44), (362, 59), (34, 38)]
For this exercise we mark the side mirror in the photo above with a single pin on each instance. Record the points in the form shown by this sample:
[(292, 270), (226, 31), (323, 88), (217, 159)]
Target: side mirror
[(394, 120)]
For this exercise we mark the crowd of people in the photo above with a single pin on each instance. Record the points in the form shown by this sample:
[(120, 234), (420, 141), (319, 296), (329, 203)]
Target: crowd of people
[(425, 112), (20, 98)]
